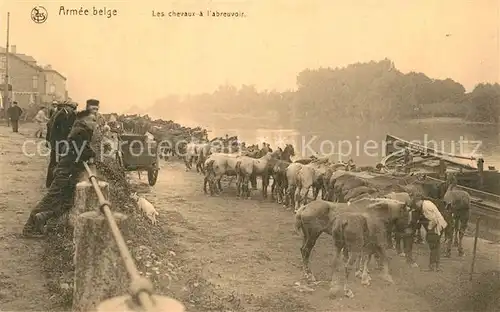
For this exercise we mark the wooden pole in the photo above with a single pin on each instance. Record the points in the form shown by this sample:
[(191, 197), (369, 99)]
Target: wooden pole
[(476, 235), (6, 103)]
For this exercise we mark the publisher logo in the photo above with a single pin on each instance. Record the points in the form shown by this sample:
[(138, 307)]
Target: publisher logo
[(39, 14)]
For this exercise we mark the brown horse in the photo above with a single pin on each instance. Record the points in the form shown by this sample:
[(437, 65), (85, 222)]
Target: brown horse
[(359, 228), (458, 202)]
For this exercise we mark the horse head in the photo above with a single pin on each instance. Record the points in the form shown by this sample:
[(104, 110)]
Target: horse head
[(288, 152)]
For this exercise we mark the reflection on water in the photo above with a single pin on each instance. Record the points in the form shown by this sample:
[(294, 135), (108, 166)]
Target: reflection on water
[(364, 142)]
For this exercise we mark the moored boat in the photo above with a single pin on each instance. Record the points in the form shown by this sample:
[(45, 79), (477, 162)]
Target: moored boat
[(482, 185)]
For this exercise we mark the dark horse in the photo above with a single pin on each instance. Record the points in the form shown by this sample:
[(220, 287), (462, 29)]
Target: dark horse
[(278, 171)]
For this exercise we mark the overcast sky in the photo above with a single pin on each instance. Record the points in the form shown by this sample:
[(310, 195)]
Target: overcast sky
[(135, 58)]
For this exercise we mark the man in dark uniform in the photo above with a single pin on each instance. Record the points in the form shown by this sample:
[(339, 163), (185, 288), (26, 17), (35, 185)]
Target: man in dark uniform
[(59, 127), (14, 113), (59, 197)]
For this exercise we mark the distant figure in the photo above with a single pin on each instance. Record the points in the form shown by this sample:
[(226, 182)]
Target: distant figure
[(14, 112), (442, 168), (408, 159), (41, 119), (269, 149)]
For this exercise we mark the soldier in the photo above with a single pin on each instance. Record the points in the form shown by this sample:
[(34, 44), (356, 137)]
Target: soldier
[(59, 197), (434, 224), (59, 128)]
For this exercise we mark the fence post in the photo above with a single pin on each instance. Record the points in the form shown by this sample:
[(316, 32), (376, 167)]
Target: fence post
[(86, 199), (476, 235), (126, 304), (99, 269)]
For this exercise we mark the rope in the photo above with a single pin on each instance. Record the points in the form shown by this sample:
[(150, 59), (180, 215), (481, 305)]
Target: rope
[(141, 287)]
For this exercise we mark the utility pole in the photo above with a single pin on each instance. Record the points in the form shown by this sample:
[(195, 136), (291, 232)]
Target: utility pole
[(6, 103)]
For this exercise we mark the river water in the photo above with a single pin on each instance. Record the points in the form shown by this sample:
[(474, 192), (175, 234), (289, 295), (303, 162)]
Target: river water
[(364, 144)]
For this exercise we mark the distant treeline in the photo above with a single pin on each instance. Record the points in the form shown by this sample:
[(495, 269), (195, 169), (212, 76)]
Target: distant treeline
[(362, 92)]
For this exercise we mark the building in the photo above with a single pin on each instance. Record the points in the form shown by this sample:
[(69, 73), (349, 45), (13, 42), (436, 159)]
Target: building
[(29, 82)]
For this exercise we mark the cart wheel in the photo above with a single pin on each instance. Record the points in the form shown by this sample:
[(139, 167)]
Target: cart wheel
[(152, 176)]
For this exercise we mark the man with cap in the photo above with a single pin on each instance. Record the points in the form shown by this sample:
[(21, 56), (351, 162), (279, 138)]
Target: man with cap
[(14, 113), (92, 106), (59, 128), (434, 224), (59, 197)]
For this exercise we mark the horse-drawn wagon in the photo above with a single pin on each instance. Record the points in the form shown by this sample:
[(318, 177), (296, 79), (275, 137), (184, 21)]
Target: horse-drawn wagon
[(139, 153)]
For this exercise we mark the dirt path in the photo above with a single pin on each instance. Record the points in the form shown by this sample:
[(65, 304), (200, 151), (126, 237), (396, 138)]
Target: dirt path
[(249, 247), (22, 283)]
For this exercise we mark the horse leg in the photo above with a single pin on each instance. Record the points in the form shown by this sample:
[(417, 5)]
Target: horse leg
[(315, 192), (351, 263), (389, 228), (337, 253), (205, 182), (219, 184), (239, 180), (418, 234), (246, 187), (273, 187), (398, 236), (306, 196), (265, 184), (385, 265), (456, 228), (187, 161), (365, 274), (311, 235), (464, 220), (289, 196), (253, 180), (297, 197), (448, 239), (408, 247)]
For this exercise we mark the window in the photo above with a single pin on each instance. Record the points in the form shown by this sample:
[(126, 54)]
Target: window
[(35, 82), (52, 89)]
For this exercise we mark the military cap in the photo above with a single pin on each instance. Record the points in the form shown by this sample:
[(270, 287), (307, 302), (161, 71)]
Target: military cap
[(92, 102)]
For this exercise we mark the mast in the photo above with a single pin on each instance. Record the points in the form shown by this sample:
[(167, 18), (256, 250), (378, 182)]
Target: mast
[(6, 103)]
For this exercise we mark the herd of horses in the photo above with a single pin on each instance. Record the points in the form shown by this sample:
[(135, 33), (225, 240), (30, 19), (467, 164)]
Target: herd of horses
[(364, 209)]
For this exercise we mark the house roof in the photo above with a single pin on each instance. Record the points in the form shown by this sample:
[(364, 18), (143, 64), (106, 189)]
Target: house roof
[(30, 61), (54, 71)]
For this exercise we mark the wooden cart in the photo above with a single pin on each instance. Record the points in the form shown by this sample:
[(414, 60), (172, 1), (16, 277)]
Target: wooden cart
[(139, 153)]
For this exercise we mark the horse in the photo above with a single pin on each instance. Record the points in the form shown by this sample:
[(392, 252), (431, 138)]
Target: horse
[(244, 170), (280, 182), (365, 236), (216, 166), (196, 152), (263, 167), (285, 158), (344, 184), (321, 168), (458, 202)]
